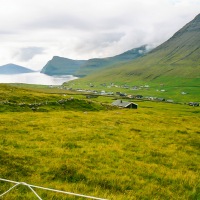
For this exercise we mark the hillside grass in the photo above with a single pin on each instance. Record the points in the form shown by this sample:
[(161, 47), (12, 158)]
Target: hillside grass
[(40, 99), (172, 91), (174, 64), (148, 153)]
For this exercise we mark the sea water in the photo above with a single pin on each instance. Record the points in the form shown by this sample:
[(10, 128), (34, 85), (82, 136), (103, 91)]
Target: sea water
[(35, 78)]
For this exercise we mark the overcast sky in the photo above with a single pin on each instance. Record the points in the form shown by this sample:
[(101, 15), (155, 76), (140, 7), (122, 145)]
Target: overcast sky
[(33, 31)]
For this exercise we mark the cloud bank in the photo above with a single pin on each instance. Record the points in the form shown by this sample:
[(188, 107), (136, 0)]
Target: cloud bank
[(32, 32)]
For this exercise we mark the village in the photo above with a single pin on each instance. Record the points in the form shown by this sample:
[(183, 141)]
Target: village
[(125, 92)]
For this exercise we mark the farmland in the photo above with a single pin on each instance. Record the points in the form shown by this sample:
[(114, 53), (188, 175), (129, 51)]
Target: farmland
[(148, 153)]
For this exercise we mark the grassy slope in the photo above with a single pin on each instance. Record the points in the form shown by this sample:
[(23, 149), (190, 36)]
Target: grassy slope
[(174, 64), (93, 65), (176, 58), (149, 153), (17, 99), (80, 68), (61, 66)]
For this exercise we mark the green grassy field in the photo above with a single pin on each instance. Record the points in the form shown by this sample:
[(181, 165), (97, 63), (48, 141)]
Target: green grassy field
[(171, 91), (148, 153)]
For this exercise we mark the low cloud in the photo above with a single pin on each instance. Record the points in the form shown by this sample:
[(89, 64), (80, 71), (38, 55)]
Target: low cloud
[(27, 53), (77, 29), (97, 42)]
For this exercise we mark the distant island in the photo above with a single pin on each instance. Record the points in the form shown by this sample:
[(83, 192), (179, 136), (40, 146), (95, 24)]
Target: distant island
[(14, 69)]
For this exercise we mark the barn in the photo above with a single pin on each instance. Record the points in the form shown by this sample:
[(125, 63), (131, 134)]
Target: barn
[(125, 104)]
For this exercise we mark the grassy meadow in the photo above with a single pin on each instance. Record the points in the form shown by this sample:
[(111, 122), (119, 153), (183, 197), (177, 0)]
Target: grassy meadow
[(172, 89), (92, 149)]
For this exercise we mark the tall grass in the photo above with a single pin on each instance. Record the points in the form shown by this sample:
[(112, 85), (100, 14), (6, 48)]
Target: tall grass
[(149, 153)]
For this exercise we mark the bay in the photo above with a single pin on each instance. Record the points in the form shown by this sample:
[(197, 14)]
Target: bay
[(35, 78)]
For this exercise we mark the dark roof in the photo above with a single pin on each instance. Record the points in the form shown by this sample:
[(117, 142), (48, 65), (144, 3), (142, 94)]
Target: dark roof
[(121, 103)]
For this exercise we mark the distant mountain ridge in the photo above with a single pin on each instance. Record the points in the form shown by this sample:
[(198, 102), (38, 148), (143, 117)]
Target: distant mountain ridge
[(14, 69), (91, 65), (62, 66)]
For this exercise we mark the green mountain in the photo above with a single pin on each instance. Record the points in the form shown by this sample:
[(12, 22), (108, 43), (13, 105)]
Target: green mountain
[(91, 65), (14, 69), (62, 66), (176, 60)]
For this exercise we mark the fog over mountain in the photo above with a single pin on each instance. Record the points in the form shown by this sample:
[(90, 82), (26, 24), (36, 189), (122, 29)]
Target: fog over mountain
[(61, 66), (176, 61)]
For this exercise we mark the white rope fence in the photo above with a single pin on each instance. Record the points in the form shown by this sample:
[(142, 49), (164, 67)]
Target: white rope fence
[(43, 188)]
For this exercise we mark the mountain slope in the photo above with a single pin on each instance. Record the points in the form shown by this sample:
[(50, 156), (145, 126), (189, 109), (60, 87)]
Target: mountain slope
[(61, 66), (94, 64), (14, 69), (178, 57)]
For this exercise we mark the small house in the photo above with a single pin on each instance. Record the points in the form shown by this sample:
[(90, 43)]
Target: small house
[(160, 99), (193, 104), (125, 104), (170, 101), (138, 96), (122, 95)]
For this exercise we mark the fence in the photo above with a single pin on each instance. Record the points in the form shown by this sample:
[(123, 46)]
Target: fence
[(43, 188)]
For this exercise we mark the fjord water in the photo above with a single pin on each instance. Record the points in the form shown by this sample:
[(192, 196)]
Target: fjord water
[(35, 78)]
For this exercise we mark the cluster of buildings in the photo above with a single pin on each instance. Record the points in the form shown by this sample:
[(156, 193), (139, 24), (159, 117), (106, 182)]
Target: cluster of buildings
[(94, 93)]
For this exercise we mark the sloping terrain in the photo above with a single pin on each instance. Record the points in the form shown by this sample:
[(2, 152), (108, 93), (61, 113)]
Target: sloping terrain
[(63, 66), (175, 61), (15, 99), (92, 65)]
